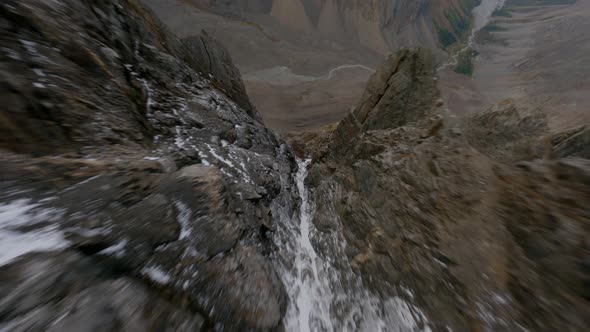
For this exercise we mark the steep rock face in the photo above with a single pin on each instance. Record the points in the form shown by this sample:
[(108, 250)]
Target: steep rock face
[(135, 163), (208, 57), (503, 133), (434, 214)]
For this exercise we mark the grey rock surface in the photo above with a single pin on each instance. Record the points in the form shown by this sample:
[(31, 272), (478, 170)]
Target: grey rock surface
[(134, 161)]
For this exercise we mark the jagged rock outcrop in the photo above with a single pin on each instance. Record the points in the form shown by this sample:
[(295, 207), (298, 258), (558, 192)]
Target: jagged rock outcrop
[(135, 167), (503, 133), (400, 92), (432, 213)]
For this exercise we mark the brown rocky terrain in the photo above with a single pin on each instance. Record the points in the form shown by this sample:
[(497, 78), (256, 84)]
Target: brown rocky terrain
[(466, 214)]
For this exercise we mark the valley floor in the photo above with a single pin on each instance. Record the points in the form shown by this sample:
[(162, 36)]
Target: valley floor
[(308, 106), (259, 47), (538, 57)]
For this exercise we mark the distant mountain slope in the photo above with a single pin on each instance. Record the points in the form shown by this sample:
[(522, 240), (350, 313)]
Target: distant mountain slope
[(381, 25)]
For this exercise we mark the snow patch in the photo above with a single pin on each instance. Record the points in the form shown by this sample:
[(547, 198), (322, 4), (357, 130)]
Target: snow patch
[(184, 218), (118, 250), (39, 72), (22, 212), (156, 274)]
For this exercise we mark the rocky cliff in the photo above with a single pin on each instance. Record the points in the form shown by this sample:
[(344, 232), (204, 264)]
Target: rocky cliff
[(473, 221), (139, 186)]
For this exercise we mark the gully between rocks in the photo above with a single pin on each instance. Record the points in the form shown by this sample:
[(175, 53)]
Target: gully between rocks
[(324, 292)]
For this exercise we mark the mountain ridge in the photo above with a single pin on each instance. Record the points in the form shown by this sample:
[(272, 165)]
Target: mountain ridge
[(380, 25)]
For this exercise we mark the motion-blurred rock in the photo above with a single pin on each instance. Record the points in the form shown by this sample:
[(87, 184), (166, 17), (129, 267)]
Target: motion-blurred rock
[(133, 151), (482, 243)]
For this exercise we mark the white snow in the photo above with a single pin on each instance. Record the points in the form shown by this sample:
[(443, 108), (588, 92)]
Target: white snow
[(408, 291), (441, 263), (116, 250), (83, 181), (179, 141), (12, 54), (30, 46), (149, 102), (156, 274), (228, 162), (204, 160), (218, 157), (22, 212), (184, 218), (39, 72)]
